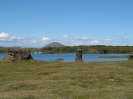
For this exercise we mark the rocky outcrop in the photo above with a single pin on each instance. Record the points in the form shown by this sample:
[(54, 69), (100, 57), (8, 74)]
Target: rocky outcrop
[(17, 55), (131, 56), (79, 55)]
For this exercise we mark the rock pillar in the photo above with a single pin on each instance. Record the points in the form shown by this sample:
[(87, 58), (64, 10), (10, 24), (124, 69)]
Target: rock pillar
[(131, 56), (79, 55)]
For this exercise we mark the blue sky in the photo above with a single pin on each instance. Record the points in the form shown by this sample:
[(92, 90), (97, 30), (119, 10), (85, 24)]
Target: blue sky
[(35, 23)]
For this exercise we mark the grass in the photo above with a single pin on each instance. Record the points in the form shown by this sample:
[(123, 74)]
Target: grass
[(66, 80), (125, 56)]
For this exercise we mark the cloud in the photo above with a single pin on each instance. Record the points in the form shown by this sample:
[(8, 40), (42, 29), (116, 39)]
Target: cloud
[(78, 41), (6, 37), (75, 42), (95, 42), (33, 41), (12, 40), (45, 39), (3, 35), (85, 38), (65, 36)]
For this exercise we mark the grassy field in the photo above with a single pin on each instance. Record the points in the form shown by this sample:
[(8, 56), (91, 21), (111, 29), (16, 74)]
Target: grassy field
[(60, 80)]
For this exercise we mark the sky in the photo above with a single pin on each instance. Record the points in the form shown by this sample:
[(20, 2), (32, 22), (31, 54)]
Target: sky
[(35, 23)]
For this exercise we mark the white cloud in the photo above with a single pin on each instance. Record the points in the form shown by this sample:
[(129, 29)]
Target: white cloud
[(85, 38), (33, 41), (95, 42), (77, 41), (6, 37), (11, 40), (3, 35), (65, 36), (45, 39), (12, 37)]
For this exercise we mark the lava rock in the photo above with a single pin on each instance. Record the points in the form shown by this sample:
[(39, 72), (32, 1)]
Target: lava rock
[(79, 55), (17, 55)]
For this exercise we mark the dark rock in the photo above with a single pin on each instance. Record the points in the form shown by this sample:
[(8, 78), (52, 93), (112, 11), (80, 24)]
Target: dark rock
[(79, 55), (131, 56), (17, 55)]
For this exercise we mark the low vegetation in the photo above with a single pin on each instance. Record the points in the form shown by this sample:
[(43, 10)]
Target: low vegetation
[(66, 80), (100, 49), (59, 59), (114, 56), (5, 49)]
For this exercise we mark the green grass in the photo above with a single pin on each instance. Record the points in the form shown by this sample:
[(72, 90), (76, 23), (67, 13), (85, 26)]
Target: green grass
[(62, 80), (114, 56)]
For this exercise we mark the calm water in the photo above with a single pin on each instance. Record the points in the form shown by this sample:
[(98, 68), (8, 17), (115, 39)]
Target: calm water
[(71, 57)]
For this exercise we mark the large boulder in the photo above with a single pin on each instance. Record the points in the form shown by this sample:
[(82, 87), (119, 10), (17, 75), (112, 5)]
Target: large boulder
[(17, 55), (79, 55), (131, 56)]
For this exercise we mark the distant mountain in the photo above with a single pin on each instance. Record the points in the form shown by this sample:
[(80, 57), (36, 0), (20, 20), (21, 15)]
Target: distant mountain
[(54, 44)]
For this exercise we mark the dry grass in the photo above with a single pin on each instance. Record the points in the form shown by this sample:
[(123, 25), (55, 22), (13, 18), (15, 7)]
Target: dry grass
[(59, 80)]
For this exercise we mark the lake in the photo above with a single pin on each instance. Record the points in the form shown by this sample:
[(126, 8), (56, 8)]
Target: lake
[(70, 57)]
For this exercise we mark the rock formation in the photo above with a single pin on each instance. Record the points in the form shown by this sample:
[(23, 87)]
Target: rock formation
[(79, 55), (17, 55), (131, 56)]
